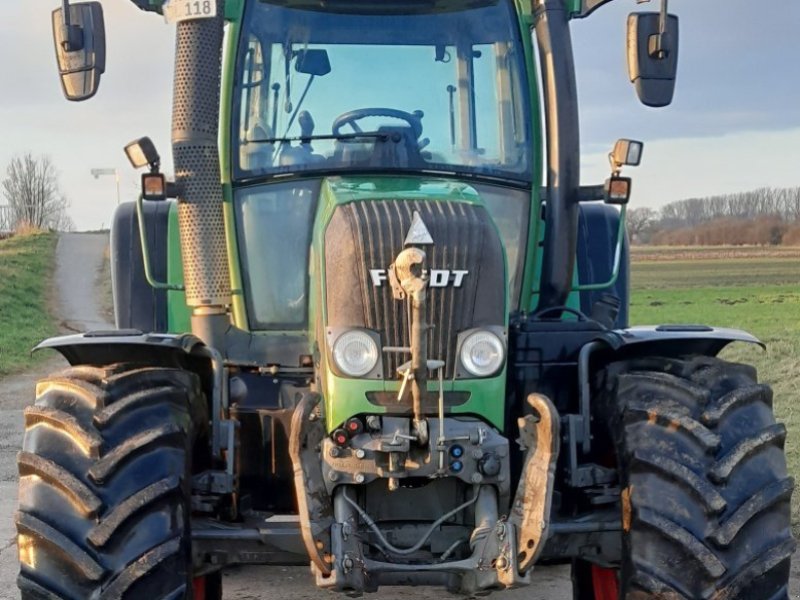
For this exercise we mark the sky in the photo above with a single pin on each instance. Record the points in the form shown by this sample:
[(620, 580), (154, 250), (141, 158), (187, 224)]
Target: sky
[(734, 124)]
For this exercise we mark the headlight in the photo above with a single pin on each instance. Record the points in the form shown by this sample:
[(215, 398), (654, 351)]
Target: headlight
[(355, 353), (482, 353)]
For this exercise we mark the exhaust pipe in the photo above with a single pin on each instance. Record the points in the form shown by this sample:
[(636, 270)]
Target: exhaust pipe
[(195, 130), (563, 152)]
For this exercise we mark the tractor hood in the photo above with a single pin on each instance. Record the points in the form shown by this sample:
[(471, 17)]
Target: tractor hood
[(365, 224)]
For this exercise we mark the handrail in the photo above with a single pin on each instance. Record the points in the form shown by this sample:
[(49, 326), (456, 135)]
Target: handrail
[(148, 274)]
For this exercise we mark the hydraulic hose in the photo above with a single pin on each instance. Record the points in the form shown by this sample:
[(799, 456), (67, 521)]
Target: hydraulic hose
[(426, 536)]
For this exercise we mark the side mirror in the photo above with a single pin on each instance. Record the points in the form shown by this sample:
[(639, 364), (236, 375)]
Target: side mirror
[(617, 189), (313, 62), (653, 56), (80, 42), (626, 153)]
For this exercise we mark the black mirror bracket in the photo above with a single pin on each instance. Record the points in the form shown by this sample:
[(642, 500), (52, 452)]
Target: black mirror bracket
[(658, 45), (71, 35)]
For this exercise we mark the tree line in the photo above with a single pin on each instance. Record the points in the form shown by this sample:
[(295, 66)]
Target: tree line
[(32, 196), (765, 216)]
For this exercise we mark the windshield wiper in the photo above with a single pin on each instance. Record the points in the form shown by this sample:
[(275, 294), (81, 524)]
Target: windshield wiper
[(342, 137)]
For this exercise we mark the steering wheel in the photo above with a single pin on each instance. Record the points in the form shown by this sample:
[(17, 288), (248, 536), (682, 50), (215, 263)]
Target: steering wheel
[(349, 118)]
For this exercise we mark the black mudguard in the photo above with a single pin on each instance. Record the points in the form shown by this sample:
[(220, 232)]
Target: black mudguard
[(136, 304), (598, 227), (99, 348), (674, 340)]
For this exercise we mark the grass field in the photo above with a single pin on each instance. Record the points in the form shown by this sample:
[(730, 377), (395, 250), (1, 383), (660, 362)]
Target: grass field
[(26, 266), (757, 290)]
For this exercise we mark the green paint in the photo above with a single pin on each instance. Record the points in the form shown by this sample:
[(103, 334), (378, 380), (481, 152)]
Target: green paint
[(358, 189), (238, 307), (345, 398), (574, 6), (226, 101), (487, 400), (178, 315), (234, 9), (532, 266)]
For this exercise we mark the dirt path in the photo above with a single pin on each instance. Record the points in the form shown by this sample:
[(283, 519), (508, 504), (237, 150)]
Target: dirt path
[(79, 259)]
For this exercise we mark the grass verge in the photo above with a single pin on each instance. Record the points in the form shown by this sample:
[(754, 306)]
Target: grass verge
[(760, 295), (26, 268)]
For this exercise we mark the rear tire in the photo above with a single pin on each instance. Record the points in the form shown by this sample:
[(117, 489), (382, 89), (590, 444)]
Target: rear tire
[(105, 484), (705, 490)]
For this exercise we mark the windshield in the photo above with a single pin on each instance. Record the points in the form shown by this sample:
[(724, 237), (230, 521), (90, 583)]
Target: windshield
[(328, 91)]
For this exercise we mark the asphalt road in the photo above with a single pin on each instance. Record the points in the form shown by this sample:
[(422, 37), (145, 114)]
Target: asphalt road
[(79, 261)]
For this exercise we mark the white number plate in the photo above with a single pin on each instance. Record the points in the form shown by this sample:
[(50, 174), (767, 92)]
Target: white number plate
[(186, 10)]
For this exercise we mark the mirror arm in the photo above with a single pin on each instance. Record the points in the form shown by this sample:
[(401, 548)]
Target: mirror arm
[(71, 34), (664, 13), (657, 44)]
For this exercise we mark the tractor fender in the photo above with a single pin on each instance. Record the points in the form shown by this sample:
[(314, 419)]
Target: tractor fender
[(674, 340), (180, 351), (129, 345)]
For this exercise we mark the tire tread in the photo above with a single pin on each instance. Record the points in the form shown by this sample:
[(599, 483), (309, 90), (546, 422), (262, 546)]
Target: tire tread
[(695, 430), (93, 434)]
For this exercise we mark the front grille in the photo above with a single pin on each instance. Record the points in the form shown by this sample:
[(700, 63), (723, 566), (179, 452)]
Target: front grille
[(464, 239)]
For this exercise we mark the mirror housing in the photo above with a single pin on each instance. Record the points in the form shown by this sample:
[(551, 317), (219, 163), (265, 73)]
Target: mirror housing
[(80, 44), (313, 62), (626, 153), (653, 57), (142, 153), (617, 189)]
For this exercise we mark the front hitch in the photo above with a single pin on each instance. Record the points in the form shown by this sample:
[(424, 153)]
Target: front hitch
[(530, 513)]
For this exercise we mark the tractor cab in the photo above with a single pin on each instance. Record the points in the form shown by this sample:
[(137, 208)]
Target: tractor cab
[(392, 89)]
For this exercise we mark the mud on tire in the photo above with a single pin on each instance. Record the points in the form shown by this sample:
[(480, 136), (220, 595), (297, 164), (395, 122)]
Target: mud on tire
[(705, 490), (105, 484)]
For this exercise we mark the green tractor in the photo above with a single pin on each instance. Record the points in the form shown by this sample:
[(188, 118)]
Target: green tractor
[(377, 326)]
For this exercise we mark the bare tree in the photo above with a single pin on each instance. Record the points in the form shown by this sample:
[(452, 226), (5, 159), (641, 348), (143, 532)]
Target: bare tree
[(33, 194), (638, 222), (5, 219)]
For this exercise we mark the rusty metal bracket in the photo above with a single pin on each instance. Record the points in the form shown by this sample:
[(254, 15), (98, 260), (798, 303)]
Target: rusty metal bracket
[(530, 513), (315, 508)]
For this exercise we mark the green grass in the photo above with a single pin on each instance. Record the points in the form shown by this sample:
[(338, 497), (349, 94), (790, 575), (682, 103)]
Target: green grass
[(26, 267), (761, 296), (717, 273)]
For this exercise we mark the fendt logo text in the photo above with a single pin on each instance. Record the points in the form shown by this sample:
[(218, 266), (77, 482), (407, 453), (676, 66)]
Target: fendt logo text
[(437, 278)]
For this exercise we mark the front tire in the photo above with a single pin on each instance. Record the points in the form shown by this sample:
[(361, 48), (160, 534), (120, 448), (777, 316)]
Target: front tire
[(105, 484), (705, 490)]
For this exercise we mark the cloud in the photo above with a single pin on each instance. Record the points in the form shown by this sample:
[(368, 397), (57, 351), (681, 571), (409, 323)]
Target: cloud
[(737, 72)]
